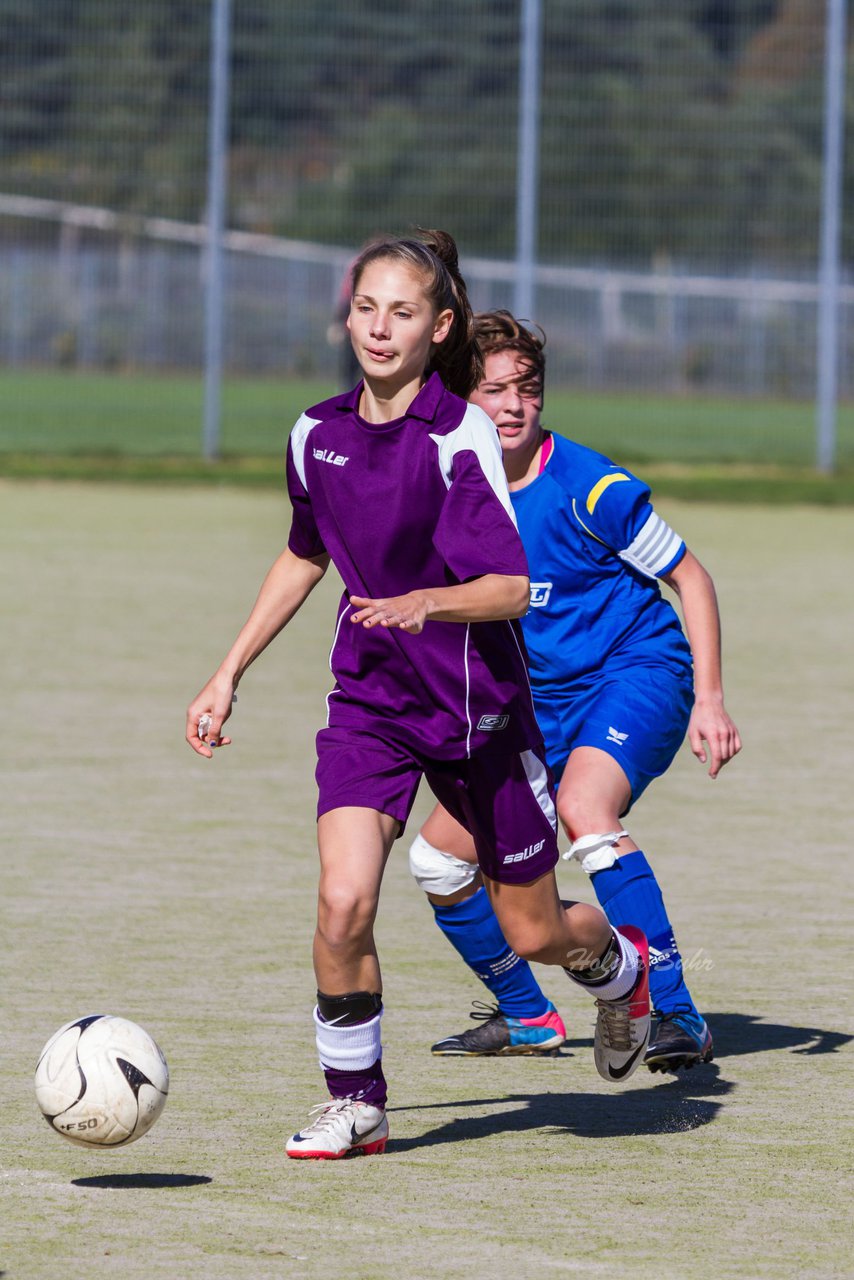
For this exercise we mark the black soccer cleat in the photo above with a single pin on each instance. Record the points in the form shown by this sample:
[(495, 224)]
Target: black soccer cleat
[(679, 1040), (498, 1034)]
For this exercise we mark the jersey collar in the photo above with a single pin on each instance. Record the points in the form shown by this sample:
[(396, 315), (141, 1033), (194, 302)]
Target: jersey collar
[(425, 406)]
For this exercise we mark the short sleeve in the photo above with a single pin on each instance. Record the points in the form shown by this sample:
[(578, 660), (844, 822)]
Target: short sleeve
[(304, 539), (476, 532), (618, 512)]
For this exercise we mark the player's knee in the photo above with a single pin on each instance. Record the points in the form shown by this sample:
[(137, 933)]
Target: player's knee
[(529, 950), (529, 935), (439, 874), (528, 941), (597, 851), (578, 815), (344, 914)]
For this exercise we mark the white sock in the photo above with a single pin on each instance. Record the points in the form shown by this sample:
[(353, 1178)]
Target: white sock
[(348, 1048), (622, 977)]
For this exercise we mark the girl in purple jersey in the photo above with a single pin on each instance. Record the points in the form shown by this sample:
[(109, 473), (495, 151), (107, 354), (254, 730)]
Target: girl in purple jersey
[(400, 484)]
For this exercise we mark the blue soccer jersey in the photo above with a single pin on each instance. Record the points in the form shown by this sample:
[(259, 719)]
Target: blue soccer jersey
[(596, 548)]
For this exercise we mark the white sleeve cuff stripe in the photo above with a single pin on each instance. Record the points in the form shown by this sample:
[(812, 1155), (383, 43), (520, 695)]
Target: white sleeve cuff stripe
[(655, 547), (650, 538)]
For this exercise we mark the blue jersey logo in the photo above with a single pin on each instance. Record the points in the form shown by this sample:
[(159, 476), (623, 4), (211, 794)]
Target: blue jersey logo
[(540, 592)]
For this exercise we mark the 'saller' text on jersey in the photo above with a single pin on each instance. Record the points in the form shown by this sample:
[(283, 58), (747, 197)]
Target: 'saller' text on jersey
[(525, 853), (329, 455)]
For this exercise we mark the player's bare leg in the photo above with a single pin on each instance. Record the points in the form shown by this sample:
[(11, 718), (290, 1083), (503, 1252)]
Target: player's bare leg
[(611, 965), (354, 845), (522, 1021), (593, 793), (540, 927)]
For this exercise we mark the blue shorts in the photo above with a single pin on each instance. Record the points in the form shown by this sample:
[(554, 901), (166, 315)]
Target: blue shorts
[(503, 798), (639, 717)]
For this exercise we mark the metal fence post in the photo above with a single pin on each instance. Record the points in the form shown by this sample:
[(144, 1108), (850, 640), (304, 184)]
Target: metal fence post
[(528, 159), (215, 220), (831, 220)]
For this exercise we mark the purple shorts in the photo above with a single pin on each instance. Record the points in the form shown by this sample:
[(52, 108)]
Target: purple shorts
[(504, 799)]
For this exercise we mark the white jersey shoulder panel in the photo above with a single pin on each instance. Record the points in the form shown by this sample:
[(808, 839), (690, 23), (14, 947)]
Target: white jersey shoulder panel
[(299, 435), (476, 432)]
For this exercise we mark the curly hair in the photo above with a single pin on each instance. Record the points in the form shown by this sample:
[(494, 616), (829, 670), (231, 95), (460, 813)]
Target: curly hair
[(498, 331), (432, 255)]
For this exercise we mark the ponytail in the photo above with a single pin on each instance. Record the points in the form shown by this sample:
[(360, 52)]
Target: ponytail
[(433, 256), (457, 360)]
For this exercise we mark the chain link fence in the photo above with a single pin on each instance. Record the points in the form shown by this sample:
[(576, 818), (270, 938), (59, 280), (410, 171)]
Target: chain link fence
[(679, 190)]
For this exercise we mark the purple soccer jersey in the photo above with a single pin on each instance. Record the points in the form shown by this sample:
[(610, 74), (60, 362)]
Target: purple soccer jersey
[(419, 502)]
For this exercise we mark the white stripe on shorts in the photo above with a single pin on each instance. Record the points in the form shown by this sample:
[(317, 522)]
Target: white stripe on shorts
[(538, 780)]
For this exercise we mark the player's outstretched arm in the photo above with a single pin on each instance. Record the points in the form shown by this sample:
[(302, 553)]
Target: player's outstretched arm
[(494, 597), (287, 585), (709, 722)]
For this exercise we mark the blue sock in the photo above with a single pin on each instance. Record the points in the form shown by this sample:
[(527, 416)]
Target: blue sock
[(472, 928), (629, 894)]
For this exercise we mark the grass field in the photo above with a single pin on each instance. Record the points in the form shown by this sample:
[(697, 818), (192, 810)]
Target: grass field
[(89, 425), (141, 880)]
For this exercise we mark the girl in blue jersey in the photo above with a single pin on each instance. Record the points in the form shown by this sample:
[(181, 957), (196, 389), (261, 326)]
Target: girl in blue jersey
[(615, 690), (400, 483)]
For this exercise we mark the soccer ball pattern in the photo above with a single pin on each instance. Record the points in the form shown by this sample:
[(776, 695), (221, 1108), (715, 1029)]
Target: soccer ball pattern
[(101, 1081)]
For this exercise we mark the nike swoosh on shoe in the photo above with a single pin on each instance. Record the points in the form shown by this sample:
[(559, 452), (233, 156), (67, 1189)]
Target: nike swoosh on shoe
[(617, 1073), (355, 1136)]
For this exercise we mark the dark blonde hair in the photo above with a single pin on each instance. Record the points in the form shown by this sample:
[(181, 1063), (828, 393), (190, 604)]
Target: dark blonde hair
[(497, 331), (432, 256)]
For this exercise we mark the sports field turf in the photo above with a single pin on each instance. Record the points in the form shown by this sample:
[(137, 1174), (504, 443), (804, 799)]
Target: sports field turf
[(141, 880), (148, 426)]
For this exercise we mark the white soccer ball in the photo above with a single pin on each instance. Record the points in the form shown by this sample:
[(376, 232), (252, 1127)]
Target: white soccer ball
[(101, 1081)]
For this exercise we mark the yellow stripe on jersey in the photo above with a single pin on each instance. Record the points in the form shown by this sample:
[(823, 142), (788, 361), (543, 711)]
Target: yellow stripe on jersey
[(599, 488), (583, 525)]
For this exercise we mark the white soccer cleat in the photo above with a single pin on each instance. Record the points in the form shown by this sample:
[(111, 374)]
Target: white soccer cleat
[(622, 1027), (344, 1127)]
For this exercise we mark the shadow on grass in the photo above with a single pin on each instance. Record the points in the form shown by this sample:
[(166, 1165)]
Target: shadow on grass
[(136, 1181), (686, 1102), (737, 1034)]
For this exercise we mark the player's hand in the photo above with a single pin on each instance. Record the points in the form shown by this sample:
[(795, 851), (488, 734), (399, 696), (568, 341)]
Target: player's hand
[(408, 612), (206, 715), (710, 723)]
